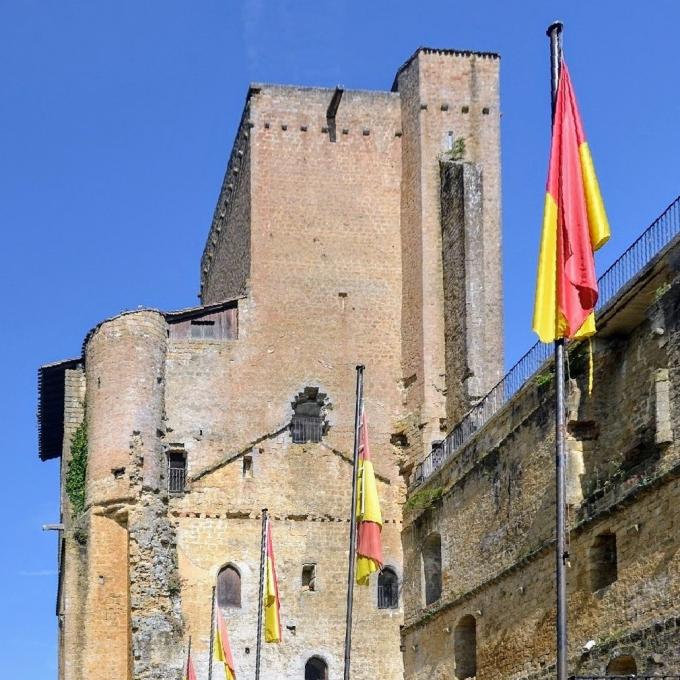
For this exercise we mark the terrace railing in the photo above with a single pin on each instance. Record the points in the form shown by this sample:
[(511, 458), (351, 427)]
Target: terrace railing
[(650, 243)]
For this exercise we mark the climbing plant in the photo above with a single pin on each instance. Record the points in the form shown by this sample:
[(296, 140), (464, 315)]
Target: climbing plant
[(77, 469)]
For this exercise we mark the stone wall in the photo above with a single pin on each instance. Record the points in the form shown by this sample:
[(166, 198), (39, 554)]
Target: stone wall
[(493, 505)]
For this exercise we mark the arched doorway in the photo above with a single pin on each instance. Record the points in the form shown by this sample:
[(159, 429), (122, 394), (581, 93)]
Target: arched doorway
[(465, 648), (316, 669)]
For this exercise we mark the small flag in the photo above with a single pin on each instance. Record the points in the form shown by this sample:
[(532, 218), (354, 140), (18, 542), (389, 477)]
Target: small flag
[(368, 516), (574, 226), (190, 671), (222, 652), (272, 604)]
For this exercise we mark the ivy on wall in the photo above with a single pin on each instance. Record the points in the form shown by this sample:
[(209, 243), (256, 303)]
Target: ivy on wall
[(77, 469)]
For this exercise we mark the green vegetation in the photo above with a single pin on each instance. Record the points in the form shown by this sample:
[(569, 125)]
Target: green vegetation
[(424, 499), (457, 151), (77, 470)]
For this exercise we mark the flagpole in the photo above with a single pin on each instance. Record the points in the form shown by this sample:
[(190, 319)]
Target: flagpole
[(212, 634), (353, 523), (186, 670), (554, 32), (260, 597)]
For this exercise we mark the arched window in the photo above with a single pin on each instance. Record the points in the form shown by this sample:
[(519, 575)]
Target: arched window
[(465, 648), (432, 568), (309, 422), (316, 669), (388, 589), (229, 587), (622, 665)]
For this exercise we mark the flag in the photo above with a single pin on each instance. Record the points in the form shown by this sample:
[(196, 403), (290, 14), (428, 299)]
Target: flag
[(222, 652), (368, 517), (272, 604), (574, 226), (190, 673)]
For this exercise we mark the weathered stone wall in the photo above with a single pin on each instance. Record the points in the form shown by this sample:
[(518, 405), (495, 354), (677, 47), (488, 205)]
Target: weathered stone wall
[(445, 96), (496, 516), (226, 260)]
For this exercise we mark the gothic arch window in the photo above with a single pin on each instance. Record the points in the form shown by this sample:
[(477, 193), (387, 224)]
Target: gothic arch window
[(388, 589), (229, 587), (309, 416), (622, 665), (465, 648), (316, 669), (431, 555)]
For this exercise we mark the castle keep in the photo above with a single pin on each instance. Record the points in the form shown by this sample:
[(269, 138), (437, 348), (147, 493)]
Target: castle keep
[(362, 227)]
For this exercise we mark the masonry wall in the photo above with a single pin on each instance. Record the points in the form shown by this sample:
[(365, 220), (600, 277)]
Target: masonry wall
[(496, 517), (324, 296), (445, 97)]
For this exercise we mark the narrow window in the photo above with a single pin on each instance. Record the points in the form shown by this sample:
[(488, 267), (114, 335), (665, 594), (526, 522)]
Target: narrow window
[(177, 472), (603, 562), (308, 422), (229, 587), (465, 648), (432, 568), (622, 665), (316, 669), (388, 589), (202, 328), (247, 466), (309, 577)]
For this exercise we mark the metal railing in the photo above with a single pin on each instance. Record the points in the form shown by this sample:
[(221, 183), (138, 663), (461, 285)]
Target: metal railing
[(651, 242), (306, 429), (177, 479)]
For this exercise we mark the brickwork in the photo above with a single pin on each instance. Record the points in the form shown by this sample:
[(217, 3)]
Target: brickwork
[(496, 519), (327, 237)]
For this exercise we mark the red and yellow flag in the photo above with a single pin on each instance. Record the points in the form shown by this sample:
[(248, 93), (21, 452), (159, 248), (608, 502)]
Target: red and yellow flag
[(574, 226), (272, 604), (190, 671), (222, 651), (368, 516)]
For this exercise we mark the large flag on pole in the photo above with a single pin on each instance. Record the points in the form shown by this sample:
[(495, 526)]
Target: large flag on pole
[(368, 516), (574, 226), (222, 652), (272, 618)]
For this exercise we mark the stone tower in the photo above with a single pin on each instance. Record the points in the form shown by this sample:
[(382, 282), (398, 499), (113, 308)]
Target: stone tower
[(351, 227)]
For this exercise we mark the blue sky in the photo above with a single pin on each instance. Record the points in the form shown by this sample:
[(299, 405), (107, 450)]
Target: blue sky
[(116, 121)]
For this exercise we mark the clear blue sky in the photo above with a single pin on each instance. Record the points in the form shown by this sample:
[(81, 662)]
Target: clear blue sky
[(116, 121)]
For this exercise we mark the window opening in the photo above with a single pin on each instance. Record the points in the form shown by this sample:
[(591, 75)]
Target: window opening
[(247, 466), (622, 665), (388, 589), (432, 568), (309, 577), (203, 328), (603, 562), (465, 648), (316, 669), (229, 587), (177, 472), (308, 423)]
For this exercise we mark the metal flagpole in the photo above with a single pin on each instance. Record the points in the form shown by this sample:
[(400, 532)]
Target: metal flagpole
[(353, 523), (555, 34), (260, 597), (186, 670), (212, 634)]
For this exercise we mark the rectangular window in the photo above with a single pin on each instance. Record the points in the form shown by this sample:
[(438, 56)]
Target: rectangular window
[(202, 329), (247, 466), (603, 561), (177, 472), (309, 577), (306, 429)]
